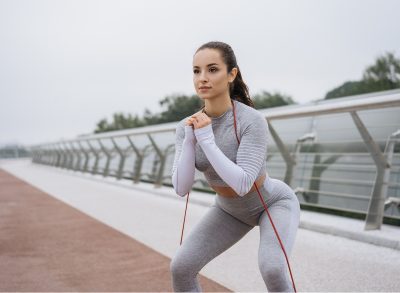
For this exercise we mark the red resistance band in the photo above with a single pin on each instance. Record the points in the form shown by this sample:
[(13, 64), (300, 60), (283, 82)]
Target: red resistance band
[(262, 200)]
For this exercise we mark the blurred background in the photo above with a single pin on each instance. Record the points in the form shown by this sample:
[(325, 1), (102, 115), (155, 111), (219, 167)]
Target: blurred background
[(76, 67)]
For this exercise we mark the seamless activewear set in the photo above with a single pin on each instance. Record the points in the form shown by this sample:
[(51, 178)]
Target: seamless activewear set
[(214, 150)]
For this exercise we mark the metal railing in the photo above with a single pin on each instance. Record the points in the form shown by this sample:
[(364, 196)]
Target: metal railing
[(382, 158), (324, 150), (14, 151)]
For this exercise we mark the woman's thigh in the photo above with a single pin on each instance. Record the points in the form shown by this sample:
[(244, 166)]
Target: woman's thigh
[(285, 215), (213, 234)]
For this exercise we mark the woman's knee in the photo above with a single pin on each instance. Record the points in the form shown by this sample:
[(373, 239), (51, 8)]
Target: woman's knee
[(176, 267), (275, 276), (183, 276), (268, 270), (182, 267)]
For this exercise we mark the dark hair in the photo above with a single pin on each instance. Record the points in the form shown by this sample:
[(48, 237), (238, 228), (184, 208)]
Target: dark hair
[(238, 90)]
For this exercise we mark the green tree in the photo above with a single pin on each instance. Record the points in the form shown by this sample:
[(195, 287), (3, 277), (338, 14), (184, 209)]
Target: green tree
[(383, 75), (178, 106), (268, 100), (101, 126), (386, 68), (119, 122)]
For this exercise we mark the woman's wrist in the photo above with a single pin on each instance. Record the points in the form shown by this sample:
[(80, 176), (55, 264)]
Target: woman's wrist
[(189, 134), (204, 133)]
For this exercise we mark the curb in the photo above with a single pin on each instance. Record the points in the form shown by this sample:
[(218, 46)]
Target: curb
[(371, 239)]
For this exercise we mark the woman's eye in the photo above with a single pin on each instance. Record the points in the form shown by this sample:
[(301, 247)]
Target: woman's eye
[(212, 69)]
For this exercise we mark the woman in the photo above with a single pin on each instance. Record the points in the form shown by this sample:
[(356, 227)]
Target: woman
[(232, 163)]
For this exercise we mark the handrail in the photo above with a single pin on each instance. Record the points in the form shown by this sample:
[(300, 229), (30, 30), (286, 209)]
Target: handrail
[(390, 98), (61, 154), (384, 101)]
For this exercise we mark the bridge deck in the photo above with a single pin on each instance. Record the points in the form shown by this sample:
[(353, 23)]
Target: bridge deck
[(47, 245), (67, 231)]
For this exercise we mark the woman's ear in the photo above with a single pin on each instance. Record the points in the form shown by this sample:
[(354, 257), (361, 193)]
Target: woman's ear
[(232, 74)]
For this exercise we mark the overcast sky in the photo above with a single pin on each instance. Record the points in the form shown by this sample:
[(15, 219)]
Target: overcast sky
[(64, 65)]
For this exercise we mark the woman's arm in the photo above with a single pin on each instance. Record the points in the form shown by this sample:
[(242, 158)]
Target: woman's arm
[(250, 156), (183, 168)]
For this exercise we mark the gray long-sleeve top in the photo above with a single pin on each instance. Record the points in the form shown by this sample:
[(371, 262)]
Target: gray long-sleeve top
[(214, 150)]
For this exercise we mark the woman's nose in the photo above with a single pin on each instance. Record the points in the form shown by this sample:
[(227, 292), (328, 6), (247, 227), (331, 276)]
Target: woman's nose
[(203, 76)]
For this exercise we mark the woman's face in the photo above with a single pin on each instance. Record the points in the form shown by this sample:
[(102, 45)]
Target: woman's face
[(210, 71)]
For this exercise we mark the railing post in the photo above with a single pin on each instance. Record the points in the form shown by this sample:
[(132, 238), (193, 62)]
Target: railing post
[(389, 150), (376, 207), (58, 155), (121, 160), (70, 155), (54, 154), (108, 155), (78, 155), (96, 162), (296, 155), (64, 156), (158, 181), (288, 158), (138, 162), (85, 153)]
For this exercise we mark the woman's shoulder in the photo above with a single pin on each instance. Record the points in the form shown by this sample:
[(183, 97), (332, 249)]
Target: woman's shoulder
[(252, 121), (249, 114)]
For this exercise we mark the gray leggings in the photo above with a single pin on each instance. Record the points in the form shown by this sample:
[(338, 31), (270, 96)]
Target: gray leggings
[(227, 221)]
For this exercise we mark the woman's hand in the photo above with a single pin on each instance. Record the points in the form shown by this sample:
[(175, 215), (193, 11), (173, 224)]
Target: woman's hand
[(198, 120), (189, 121)]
